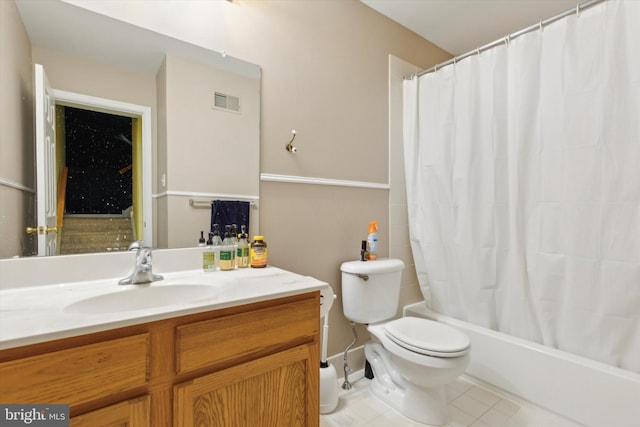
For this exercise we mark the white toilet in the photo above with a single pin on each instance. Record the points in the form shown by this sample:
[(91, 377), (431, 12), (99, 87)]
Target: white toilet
[(412, 359)]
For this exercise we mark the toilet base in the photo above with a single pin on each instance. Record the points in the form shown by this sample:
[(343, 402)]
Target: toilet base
[(425, 405)]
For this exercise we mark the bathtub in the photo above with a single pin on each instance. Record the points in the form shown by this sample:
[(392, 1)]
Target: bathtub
[(580, 389)]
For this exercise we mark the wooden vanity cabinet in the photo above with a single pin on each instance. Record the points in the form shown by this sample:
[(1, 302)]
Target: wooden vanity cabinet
[(132, 412), (250, 365)]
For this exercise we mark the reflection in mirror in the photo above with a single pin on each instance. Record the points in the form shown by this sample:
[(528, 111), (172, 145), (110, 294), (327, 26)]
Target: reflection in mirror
[(194, 145), (93, 145)]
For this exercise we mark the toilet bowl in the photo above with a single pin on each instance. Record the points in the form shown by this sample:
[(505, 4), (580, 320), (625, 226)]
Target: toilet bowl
[(412, 358), (410, 377)]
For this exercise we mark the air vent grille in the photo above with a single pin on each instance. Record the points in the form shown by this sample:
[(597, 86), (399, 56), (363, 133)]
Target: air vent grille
[(226, 102)]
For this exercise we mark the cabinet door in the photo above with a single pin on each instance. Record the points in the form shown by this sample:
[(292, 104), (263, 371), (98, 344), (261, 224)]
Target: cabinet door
[(276, 390), (131, 413)]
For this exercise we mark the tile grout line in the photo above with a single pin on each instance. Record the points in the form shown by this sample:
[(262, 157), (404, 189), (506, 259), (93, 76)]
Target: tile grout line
[(479, 417)]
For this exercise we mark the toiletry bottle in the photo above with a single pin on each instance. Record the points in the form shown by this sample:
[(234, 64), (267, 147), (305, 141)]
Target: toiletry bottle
[(209, 256), (364, 255), (242, 255), (201, 241), (216, 243), (372, 240), (227, 259), (258, 252), (234, 241)]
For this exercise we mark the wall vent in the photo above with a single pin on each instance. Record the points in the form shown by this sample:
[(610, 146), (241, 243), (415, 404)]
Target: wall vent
[(226, 102)]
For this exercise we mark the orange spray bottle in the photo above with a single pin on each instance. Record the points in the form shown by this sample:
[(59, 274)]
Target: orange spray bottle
[(372, 240)]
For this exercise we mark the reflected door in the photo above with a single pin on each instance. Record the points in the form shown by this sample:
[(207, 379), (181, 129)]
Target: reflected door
[(46, 180)]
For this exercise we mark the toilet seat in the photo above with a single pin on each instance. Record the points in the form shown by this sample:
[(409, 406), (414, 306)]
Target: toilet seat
[(427, 337)]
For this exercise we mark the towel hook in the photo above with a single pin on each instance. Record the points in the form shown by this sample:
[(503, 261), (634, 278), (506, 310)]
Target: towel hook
[(289, 147)]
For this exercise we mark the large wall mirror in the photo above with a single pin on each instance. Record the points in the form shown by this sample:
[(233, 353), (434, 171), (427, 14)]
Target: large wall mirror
[(149, 130)]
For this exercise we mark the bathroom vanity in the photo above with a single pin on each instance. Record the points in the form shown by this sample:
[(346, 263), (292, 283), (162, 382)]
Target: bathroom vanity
[(244, 354)]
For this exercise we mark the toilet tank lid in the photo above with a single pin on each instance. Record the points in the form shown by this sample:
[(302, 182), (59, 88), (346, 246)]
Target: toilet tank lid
[(383, 265)]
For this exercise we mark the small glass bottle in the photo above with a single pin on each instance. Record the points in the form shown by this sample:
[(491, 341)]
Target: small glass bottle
[(201, 241), (227, 258), (242, 255), (258, 252)]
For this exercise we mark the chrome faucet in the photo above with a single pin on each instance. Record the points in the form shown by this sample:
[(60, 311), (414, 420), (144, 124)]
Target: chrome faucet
[(142, 273)]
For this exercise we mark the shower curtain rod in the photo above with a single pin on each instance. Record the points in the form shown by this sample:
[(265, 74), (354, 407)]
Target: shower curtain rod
[(508, 38)]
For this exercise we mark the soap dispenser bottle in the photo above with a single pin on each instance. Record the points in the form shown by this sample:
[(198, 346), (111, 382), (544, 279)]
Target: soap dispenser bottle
[(242, 255), (216, 243), (209, 256), (234, 241), (227, 259)]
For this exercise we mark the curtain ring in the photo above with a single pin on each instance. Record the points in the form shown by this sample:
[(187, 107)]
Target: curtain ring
[(540, 25), (578, 10)]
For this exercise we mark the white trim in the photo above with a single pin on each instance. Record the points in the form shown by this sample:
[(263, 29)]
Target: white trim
[(12, 184), (134, 110), (322, 181), (205, 195)]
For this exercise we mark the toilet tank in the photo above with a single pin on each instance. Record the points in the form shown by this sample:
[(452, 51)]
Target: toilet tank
[(371, 289)]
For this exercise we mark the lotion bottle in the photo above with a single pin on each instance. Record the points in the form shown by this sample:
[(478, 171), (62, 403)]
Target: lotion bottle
[(227, 257), (216, 243), (242, 255), (209, 256)]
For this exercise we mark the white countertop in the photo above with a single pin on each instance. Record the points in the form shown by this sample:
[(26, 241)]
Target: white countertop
[(35, 314)]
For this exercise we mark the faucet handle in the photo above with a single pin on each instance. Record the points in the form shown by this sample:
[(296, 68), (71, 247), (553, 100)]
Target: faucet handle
[(134, 246)]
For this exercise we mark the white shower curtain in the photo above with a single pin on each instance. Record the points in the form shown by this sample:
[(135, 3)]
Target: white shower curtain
[(523, 185)]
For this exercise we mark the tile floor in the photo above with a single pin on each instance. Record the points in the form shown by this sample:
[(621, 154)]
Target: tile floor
[(470, 405)]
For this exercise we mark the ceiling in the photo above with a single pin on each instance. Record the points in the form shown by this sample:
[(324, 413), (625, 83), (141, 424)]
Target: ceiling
[(81, 32), (460, 26)]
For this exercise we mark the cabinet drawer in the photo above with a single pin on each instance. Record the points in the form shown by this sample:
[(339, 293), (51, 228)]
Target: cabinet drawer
[(235, 336), (77, 375)]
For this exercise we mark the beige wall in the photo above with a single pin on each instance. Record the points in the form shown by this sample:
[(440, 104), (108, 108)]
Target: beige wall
[(208, 151), (17, 179), (325, 73), (160, 204), (74, 74), (223, 146)]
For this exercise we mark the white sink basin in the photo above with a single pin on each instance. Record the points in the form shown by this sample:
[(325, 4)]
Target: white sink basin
[(142, 297)]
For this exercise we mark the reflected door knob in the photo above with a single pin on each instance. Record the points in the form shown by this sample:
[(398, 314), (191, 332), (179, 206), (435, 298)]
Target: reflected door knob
[(42, 230)]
